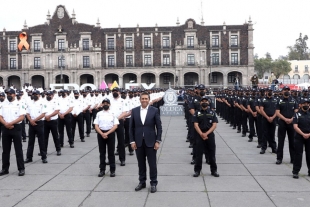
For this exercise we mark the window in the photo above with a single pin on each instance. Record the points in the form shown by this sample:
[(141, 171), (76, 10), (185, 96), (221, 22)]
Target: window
[(296, 68), (13, 46), (215, 59), (12, 63), (61, 44), (147, 60), (234, 40), (166, 78), (85, 61), (215, 40), (128, 42), (61, 61), (306, 68), (111, 61), (36, 45), (129, 61), (231, 78), (214, 78), (149, 79), (37, 63), (147, 42), (110, 43), (166, 60), (234, 58), (191, 59), (166, 42), (85, 44), (190, 41)]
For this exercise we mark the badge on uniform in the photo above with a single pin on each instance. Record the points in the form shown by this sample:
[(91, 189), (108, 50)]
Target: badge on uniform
[(210, 121)]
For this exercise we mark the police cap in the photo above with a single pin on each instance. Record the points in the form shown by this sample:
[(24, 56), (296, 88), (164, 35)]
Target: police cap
[(304, 100), (106, 100)]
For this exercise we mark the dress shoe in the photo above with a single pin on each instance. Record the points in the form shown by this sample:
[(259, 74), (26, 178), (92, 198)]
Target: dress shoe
[(192, 153), (255, 135), (39, 154), (82, 140), (187, 140), (190, 146), (243, 135), (215, 174), (107, 163), (193, 162), (123, 163), (295, 175), (21, 173), (274, 150), (61, 145), (259, 146), (71, 145), (24, 140), (153, 189), (116, 153), (112, 174), (239, 131), (87, 135), (131, 153), (262, 151), (101, 173), (250, 140), (44, 161), (4, 172), (196, 174), (58, 153), (230, 125), (140, 186), (278, 162), (234, 127), (28, 160)]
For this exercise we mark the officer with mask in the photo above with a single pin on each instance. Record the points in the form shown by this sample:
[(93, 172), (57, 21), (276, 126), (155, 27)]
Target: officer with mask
[(205, 122), (301, 123), (2, 98), (77, 115), (286, 107), (86, 103), (105, 125)]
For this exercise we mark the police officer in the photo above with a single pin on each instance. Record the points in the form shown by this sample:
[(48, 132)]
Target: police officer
[(2, 99), (21, 99), (252, 115), (268, 111), (36, 111), (86, 103), (12, 114), (51, 121), (301, 123), (77, 115), (286, 107), (105, 125), (205, 122)]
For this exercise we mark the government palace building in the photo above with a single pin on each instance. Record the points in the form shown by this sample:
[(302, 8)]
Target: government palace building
[(183, 55)]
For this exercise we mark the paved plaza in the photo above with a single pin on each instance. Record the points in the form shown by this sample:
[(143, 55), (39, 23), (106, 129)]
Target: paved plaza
[(246, 177)]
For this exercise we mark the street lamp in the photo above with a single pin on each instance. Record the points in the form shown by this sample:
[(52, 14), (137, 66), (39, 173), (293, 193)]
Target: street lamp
[(61, 61)]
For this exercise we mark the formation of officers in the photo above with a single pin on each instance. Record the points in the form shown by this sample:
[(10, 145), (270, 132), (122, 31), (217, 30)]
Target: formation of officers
[(50, 112)]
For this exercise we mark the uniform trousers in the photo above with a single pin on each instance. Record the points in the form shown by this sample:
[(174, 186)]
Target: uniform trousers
[(244, 122), (126, 126), (253, 125), (121, 140), (39, 131), (7, 136), (300, 142), (61, 125), (103, 145), (260, 128), (86, 118), (51, 126), (93, 115), (209, 144), (269, 134), (23, 129), (78, 120), (284, 128)]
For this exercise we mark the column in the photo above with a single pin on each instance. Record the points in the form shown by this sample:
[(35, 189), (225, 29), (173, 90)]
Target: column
[(5, 82), (225, 81), (139, 79), (120, 80), (157, 81)]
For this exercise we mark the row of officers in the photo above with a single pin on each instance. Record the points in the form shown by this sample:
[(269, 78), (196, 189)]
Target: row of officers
[(253, 112), (50, 112)]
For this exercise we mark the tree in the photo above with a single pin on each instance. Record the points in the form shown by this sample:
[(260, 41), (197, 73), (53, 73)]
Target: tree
[(280, 67), (300, 50), (262, 65)]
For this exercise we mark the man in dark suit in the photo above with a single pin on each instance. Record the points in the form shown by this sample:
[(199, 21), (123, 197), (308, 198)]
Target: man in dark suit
[(145, 140)]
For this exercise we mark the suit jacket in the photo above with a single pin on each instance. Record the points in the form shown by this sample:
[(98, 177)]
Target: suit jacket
[(146, 131)]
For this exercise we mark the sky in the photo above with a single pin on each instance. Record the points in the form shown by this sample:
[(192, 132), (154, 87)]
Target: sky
[(277, 23)]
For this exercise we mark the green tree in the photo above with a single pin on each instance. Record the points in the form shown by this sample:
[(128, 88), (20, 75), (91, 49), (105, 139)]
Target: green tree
[(300, 50), (280, 67), (262, 65)]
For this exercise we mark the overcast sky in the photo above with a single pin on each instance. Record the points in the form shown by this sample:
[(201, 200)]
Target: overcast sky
[(277, 23)]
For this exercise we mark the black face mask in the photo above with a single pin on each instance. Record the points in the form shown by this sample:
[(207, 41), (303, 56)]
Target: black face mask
[(115, 94), (76, 97), (59, 95), (135, 95), (286, 93), (10, 98), (269, 93), (204, 105), (103, 94), (63, 95), (202, 93), (18, 97), (91, 95), (130, 96), (1, 99), (31, 97), (48, 98), (305, 94), (123, 96), (305, 108), (105, 107), (84, 95), (108, 93), (35, 98), (43, 95), (96, 94)]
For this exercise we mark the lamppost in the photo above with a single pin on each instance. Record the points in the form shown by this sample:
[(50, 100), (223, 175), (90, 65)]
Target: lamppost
[(61, 61)]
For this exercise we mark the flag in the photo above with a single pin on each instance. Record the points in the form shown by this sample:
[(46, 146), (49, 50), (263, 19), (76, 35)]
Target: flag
[(114, 85), (103, 85)]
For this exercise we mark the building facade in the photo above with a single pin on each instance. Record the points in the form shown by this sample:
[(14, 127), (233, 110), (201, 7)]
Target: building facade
[(182, 55), (298, 74)]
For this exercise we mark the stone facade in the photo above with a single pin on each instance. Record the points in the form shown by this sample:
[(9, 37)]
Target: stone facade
[(183, 55)]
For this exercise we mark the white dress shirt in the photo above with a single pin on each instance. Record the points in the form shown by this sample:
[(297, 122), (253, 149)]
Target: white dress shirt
[(11, 111), (143, 112), (52, 106), (36, 108), (105, 120)]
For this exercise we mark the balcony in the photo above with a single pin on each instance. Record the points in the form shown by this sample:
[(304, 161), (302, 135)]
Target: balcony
[(59, 67), (37, 67)]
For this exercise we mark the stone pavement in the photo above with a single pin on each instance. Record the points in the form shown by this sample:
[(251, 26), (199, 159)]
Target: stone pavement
[(246, 177)]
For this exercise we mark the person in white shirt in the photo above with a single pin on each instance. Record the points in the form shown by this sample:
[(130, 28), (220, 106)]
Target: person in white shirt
[(35, 114), (51, 121), (105, 125), (77, 115), (95, 102), (21, 99), (85, 110)]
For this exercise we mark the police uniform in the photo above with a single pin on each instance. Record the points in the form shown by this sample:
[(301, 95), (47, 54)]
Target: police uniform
[(11, 111), (205, 119), (77, 116), (36, 109), (104, 122), (86, 103)]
